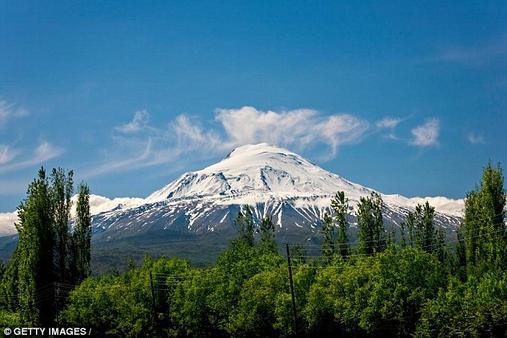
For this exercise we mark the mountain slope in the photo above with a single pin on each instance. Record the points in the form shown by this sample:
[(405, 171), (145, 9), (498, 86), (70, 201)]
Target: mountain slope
[(274, 181)]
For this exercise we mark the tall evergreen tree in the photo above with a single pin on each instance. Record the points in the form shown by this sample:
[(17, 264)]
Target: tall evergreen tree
[(340, 206), (41, 258), (329, 233), (245, 224), (408, 230), (472, 225), (461, 249), (439, 247), (81, 237), (267, 232), (493, 230), (425, 229), (35, 254), (9, 284), (378, 225), (61, 193), (372, 235), (485, 228)]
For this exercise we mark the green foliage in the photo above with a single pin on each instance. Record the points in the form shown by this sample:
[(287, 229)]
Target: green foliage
[(60, 193), (245, 224), (380, 294), (415, 287), (123, 305), (256, 312), (371, 225), (485, 227), (334, 228), (34, 251), (81, 237), (340, 206), (267, 232), (10, 319), (475, 308), (43, 258), (329, 237)]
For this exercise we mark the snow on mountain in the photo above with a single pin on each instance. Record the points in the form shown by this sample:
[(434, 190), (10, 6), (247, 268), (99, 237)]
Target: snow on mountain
[(98, 204), (273, 180), (253, 173)]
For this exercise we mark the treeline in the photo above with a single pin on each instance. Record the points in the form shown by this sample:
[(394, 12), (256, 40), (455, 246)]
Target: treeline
[(53, 251), (405, 281)]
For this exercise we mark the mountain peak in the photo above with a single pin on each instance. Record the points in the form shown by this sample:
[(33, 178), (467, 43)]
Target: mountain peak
[(257, 170), (255, 149)]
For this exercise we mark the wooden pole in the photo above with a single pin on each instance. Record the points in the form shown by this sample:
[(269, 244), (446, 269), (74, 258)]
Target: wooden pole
[(153, 301), (292, 290)]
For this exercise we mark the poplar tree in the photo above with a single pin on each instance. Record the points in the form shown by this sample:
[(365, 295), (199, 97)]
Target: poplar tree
[(245, 224), (372, 238), (424, 215), (379, 231), (340, 205), (408, 230), (35, 254), (267, 232), (485, 229), (43, 256), (329, 234), (61, 192), (81, 237)]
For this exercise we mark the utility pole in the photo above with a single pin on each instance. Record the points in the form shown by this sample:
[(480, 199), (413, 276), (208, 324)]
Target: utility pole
[(292, 290), (153, 301)]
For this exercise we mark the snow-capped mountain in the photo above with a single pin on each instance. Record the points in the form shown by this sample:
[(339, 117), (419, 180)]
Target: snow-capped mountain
[(274, 181)]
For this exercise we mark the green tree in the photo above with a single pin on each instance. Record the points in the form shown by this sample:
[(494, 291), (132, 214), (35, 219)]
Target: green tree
[(267, 232), (61, 190), (425, 236), (340, 206), (35, 250), (43, 258), (81, 237), (329, 234), (372, 234), (256, 312), (476, 308), (485, 227), (245, 224), (408, 231)]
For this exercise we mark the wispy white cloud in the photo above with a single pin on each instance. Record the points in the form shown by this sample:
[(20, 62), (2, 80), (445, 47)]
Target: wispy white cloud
[(387, 126), (426, 135), (479, 54), (475, 138), (44, 151), (9, 111), (7, 221), (150, 145), (388, 123), (7, 154), (139, 121)]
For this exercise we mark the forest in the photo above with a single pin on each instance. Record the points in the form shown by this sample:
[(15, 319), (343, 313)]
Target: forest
[(406, 281)]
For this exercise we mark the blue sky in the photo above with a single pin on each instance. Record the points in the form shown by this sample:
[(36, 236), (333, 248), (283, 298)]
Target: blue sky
[(404, 97)]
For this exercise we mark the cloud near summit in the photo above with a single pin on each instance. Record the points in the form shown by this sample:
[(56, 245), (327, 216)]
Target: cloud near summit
[(144, 144), (298, 128)]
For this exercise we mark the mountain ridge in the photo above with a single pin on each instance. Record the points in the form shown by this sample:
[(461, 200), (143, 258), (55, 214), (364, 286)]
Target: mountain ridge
[(271, 179)]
